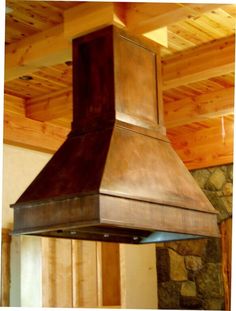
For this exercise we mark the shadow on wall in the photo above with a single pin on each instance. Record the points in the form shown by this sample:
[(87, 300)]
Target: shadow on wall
[(190, 272)]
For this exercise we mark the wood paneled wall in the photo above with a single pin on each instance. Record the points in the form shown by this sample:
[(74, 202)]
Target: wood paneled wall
[(226, 239), (87, 274), (5, 268)]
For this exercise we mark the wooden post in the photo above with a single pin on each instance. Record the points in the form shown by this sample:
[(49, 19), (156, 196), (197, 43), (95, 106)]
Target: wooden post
[(110, 258), (5, 268), (56, 273), (84, 274), (226, 240)]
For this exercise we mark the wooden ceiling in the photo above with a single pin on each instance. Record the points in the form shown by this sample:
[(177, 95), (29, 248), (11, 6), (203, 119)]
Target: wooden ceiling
[(27, 18), (197, 67)]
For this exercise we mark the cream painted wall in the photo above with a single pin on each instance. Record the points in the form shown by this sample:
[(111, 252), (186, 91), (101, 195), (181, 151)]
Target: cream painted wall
[(138, 276), (20, 167)]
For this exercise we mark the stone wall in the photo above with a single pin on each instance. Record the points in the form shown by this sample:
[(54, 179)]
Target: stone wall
[(217, 184), (189, 275), (189, 272)]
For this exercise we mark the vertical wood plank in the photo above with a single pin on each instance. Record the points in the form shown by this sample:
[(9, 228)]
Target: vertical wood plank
[(15, 271), (99, 274), (160, 90), (111, 274), (56, 273), (226, 240), (84, 267), (5, 268)]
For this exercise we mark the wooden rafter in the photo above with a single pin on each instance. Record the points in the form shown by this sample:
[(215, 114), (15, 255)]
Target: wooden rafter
[(51, 107), (179, 112), (202, 148), (146, 17), (14, 104), (209, 60), (199, 108), (26, 56), (209, 146), (45, 49), (24, 132)]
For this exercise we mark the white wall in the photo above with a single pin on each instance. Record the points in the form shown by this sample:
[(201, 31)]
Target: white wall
[(20, 167), (138, 276)]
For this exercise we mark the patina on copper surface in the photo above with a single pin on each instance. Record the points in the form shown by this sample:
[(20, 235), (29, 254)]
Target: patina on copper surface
[(116, 178)]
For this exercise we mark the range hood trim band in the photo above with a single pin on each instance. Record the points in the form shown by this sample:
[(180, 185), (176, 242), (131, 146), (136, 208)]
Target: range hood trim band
[(103, 209), (38, 203)]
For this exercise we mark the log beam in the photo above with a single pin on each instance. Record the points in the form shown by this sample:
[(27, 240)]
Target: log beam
[(47, 48), (201, 63), (46, 108), (199, 108), (205, 147), (53, 46), (14, 104), (87, 17), (179, 112), (146, 17), (27, 133)]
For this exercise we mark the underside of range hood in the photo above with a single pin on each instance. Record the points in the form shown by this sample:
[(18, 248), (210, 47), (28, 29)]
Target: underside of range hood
[(116, 178)]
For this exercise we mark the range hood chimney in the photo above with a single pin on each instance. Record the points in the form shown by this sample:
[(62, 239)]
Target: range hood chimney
[(116, 178)]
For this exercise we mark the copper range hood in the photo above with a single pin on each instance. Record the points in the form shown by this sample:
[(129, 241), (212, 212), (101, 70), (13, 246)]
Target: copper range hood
[(116, 178)]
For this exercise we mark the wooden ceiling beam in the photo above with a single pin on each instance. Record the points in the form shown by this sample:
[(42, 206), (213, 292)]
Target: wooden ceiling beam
[(87, 17), (27, 133), (201, 63), (199, 108), (179, 112), (14, 104), (47, 48), (56, 105), (53, 46), (203, 148), (206, 147), (145, 17)]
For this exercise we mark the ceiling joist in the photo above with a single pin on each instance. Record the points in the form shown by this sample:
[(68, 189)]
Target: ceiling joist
[(199, 108), (145, 17), (24, 132), (203, 148), (53, 46), (209, 60), (179, 112), (210, 146), (50, 108)]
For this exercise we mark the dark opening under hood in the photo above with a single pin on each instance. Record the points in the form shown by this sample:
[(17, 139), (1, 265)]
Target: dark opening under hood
[(116, 178)]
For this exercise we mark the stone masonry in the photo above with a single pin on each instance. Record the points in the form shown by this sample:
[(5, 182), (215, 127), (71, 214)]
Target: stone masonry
[(217, 184), (189, 272)]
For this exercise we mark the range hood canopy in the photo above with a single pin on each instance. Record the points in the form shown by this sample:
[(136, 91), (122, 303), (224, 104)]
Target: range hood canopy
[(116, 178)]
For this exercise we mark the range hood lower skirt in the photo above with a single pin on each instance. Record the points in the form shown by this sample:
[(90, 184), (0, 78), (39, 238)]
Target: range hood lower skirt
[(112, 219)]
